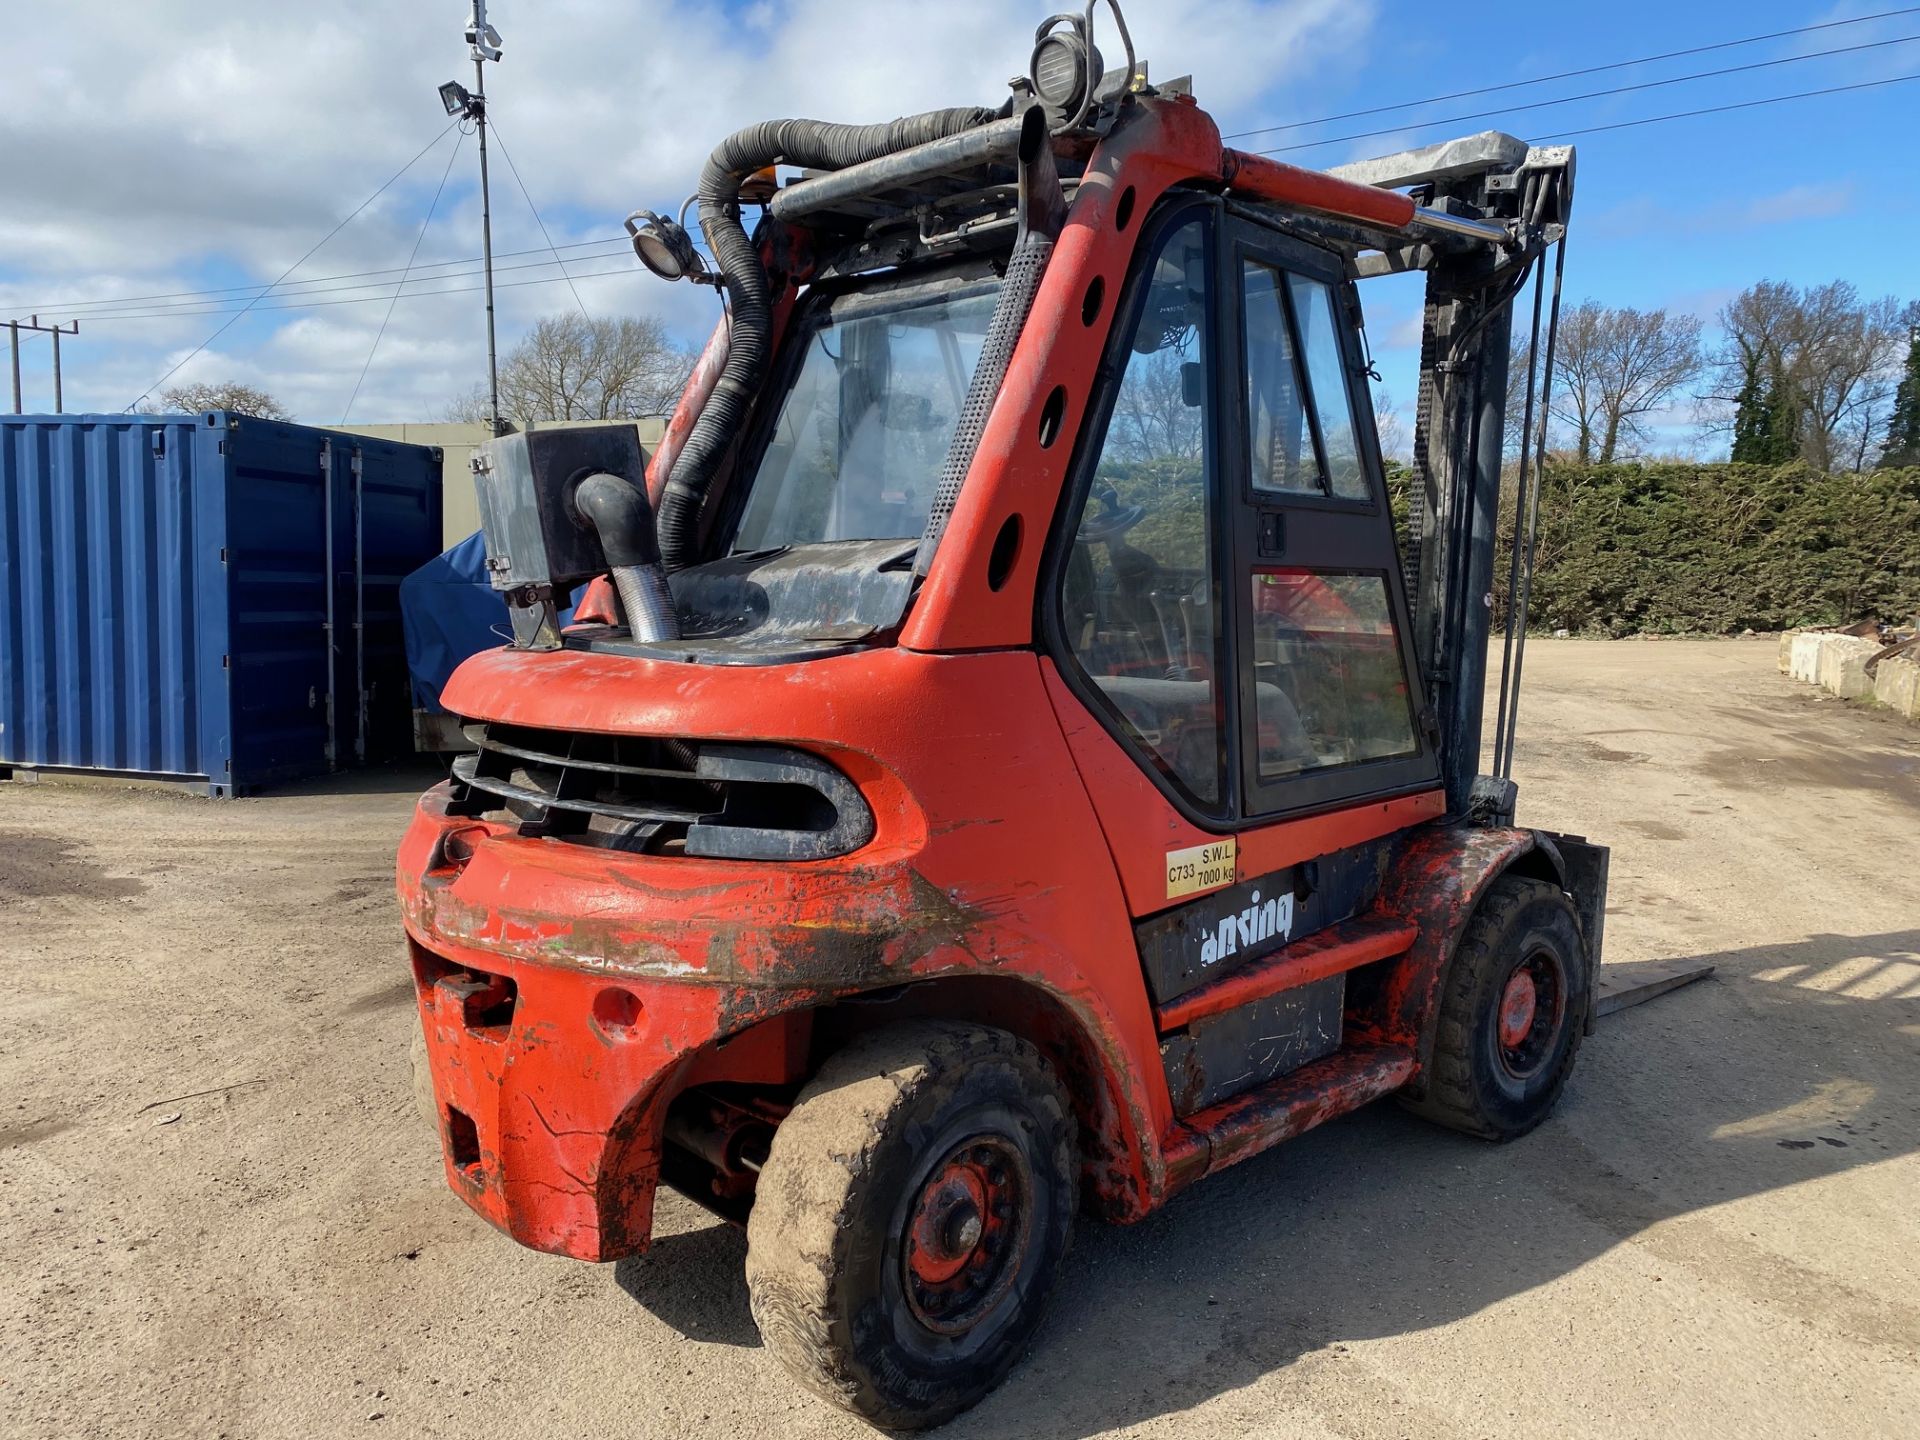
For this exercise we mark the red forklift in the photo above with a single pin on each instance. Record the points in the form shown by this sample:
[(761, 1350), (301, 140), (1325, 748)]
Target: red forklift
[(1005, 765)]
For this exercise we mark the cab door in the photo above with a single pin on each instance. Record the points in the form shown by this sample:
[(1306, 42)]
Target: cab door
[(1328, 693), (1226, 628)]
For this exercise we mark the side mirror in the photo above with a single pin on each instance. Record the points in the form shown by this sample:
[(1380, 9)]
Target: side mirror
[(1193, 384)]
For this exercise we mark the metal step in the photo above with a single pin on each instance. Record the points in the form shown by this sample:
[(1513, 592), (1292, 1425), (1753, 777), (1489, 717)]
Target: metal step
[(1242, 1127), (1332, 951)]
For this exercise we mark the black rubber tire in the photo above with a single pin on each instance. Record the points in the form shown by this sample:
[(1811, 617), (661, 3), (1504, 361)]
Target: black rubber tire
[(1468, 1086), (825, 1252)]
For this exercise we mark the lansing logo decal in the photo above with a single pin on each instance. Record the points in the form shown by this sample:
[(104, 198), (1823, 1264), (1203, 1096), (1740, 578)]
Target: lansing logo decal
[(1258, 923)]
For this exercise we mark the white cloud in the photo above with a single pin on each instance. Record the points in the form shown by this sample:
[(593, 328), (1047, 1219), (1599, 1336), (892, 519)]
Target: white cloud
[(175, 146)]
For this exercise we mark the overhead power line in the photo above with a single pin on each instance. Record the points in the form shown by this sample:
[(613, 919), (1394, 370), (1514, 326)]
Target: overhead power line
[(296, 264), (628, 270), (1593, 94), (380, 334), (377, 289), (514, 170), (288, 287), (1575, 74), (1741, 105)]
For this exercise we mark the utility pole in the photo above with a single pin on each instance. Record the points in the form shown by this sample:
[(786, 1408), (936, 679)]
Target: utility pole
[(483, 43), (14, 327)]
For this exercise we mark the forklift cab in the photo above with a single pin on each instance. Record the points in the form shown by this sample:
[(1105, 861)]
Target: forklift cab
[(1230, 600)]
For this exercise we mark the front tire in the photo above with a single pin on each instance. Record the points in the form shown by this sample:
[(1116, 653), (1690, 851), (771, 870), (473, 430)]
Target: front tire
[(1512, 1013), (911, 1220)]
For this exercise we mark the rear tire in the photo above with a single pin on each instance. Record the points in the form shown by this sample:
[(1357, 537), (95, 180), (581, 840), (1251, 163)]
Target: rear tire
[(911, 1220), (1512, 1013)]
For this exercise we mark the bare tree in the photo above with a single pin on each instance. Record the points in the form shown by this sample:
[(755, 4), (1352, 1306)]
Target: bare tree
[(1614, 366), (1519, 356), (1154, 417), (571, 368), (1386, 424), (222, 395), (1835, 355)]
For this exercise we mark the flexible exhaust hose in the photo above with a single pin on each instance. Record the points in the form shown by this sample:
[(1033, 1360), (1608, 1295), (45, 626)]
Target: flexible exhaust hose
[(810, 144), (618, 511), (646, 601)]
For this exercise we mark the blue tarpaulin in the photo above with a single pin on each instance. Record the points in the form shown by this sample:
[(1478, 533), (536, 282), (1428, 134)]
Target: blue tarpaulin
[(449, 612)]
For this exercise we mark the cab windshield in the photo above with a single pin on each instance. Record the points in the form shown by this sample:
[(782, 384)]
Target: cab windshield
[(856, 450)]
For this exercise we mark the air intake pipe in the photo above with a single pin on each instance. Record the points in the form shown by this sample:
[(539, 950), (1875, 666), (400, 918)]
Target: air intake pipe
[(1043, 210), (618, 511), (810, 144)]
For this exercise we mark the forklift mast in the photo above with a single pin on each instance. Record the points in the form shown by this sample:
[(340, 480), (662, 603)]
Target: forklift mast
[(1459, 436)]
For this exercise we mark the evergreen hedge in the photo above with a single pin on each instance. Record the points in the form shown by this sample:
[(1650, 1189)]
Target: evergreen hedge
[(1687, 548)]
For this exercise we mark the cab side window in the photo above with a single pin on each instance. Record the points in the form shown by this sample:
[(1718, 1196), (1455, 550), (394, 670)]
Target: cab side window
[(1139, 597), (1279, 440), (1326, 664), (1333, 396), (1281, 404)]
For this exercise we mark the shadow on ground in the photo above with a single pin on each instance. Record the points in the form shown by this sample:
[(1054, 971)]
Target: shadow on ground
[(405, 777), (1673, 1110), (696, 1282)]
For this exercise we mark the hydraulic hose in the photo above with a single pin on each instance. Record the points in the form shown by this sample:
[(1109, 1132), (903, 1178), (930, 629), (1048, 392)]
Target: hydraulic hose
[(811, 144)]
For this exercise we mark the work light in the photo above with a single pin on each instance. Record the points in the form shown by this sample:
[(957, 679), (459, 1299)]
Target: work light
[(1066, 66), (664, 246)]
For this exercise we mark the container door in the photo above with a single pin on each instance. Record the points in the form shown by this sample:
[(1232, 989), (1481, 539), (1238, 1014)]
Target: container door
[(395, 492), (285, 534)]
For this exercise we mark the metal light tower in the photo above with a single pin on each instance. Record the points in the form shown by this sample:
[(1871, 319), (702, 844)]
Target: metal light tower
[(483, 44)]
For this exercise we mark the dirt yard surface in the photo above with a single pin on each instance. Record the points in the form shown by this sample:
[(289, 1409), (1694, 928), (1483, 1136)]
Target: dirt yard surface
[(220, 1216)]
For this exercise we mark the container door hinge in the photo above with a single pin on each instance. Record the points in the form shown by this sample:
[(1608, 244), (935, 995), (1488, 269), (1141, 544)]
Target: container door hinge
[(226, 662)]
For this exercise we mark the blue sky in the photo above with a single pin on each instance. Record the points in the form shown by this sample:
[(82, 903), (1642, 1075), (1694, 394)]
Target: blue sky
[(1682, 214), (156, 150)]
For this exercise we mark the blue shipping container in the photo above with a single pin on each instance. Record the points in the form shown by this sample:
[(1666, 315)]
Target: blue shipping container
[(209, 598)]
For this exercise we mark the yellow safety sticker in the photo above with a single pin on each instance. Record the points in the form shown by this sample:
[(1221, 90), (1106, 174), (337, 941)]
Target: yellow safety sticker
[(1201, 867)]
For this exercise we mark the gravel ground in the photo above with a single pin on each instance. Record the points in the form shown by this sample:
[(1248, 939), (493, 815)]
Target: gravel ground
[(219, 1214)]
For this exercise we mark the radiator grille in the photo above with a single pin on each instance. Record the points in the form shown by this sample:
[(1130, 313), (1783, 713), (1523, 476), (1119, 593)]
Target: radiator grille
[(660, 796)]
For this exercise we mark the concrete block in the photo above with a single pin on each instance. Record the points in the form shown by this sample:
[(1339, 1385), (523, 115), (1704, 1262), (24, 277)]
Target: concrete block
[(1896, 684), (1842, 666), (1787, 637), (1803, 657)]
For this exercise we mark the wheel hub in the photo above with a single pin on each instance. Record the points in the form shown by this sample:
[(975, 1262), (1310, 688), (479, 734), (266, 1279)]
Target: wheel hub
[(1517, 1009), (947, 1227), (965, 1234), (1532, 1010)]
